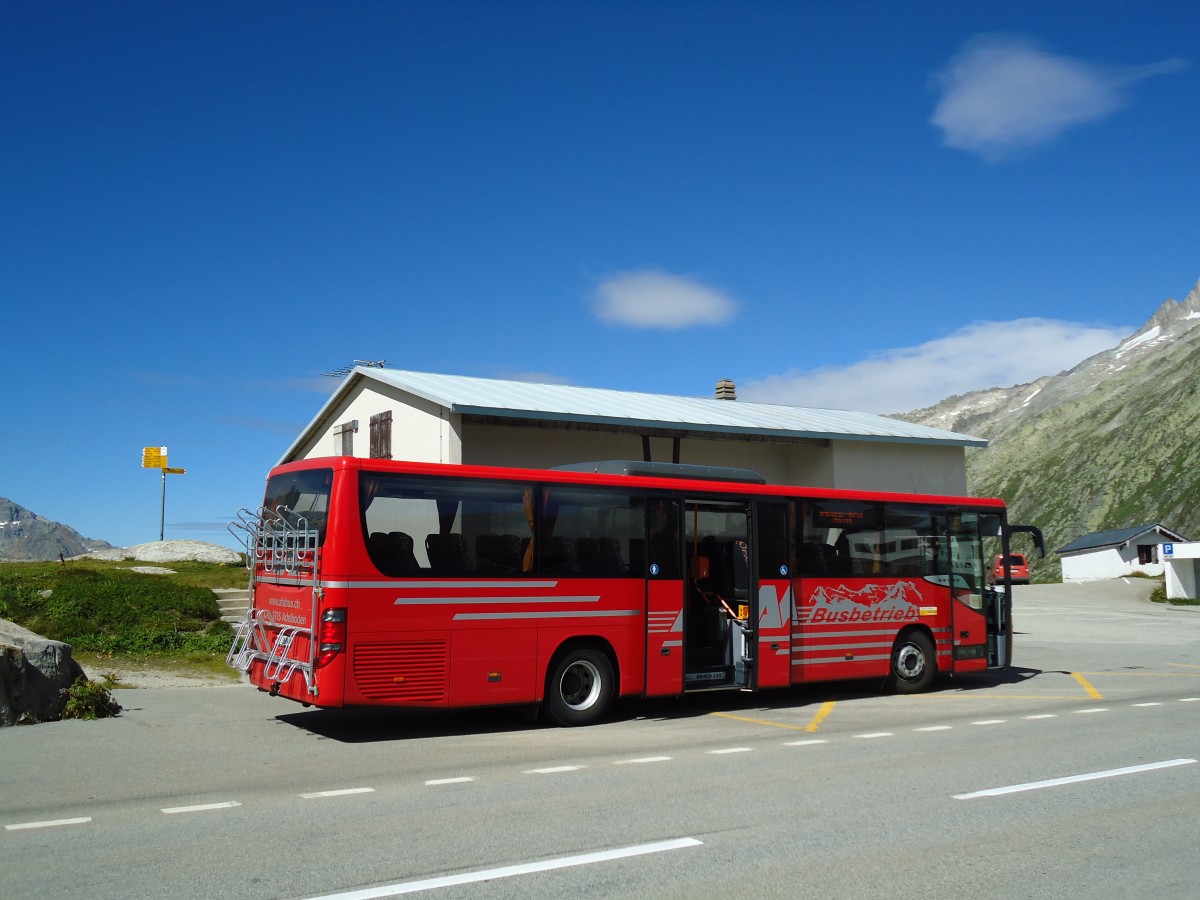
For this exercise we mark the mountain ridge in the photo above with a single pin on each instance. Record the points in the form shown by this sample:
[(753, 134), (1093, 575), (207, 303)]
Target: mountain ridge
[(1109, 443), (27, 537)]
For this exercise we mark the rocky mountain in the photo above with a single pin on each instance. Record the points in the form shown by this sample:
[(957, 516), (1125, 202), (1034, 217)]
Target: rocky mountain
[(26, 536), (1113, 442)]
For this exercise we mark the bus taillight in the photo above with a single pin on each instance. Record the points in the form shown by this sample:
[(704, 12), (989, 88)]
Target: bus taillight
[(331, 639)]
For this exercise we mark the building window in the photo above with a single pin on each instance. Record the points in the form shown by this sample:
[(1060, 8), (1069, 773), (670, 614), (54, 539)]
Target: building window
[(343, 438), (1147, 554), (381, 435)]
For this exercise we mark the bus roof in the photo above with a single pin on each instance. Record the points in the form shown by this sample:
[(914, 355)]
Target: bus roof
[(675, 484)]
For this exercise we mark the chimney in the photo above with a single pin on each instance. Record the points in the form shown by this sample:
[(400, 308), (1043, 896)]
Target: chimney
[(726, 390)]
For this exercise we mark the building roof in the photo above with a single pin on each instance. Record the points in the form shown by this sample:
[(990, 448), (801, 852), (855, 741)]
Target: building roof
[(1115, 538), (490, 397)]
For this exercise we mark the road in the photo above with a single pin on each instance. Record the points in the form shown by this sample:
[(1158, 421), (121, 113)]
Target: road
[(1073, 775)]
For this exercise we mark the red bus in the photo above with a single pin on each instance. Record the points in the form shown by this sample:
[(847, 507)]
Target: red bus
[(378, 582)]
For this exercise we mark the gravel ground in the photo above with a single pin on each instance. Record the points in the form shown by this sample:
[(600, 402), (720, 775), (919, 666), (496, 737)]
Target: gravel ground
[(133, 675)]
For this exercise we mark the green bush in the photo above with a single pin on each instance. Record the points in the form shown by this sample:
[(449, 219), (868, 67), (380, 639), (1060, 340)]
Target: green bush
[(115, 611), (89, 700)]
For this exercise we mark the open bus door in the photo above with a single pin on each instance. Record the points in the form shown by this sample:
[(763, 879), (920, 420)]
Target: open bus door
[(999, 598), (719, 584)]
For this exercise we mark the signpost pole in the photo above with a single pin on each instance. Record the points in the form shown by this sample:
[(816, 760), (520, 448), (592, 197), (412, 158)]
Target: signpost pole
[(156, 458)]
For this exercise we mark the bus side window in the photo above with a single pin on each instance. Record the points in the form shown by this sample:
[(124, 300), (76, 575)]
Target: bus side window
[(451, 517), (663, 526), (594, 533)]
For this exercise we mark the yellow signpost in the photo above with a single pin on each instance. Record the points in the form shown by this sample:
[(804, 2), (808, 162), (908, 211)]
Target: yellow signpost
[(156, 458)]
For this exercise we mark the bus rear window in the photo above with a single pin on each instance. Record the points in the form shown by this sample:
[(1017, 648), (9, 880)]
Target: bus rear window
[(301, 498)]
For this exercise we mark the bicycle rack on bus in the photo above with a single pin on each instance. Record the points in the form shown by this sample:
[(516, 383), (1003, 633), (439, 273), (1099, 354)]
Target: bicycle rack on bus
[(279, 543)]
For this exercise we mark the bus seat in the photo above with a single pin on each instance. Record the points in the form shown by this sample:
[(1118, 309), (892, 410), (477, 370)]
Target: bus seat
[(587, 555), (498, 554), (610, 556), (448, 553), (559, 555), (392, 553), (402, 551), (379, 549), (818, 559)]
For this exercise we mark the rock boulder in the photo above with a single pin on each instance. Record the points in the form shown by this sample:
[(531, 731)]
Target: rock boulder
[(35, 673), (171, 551)]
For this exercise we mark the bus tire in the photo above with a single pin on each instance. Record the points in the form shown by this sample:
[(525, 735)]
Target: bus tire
[(580, 687), (914, 663)]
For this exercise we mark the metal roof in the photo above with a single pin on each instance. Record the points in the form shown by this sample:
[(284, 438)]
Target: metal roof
[(1116, 537), (566, 403)]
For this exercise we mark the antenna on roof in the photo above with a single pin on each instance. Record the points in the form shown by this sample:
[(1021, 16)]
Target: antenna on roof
[(365, 363)]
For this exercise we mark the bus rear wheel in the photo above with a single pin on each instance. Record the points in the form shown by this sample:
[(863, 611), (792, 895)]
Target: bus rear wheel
[(914, 663), (580, 687)]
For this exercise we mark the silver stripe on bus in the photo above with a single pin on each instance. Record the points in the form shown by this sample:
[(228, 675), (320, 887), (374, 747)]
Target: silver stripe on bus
[(548, 614), (803, 646), (812, 633), (284, 582), (451, 601), (400, 584), (838, 659), (469, 583)]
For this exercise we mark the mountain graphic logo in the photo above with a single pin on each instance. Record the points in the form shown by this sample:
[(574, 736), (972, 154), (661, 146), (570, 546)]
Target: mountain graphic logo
[(893, 602)]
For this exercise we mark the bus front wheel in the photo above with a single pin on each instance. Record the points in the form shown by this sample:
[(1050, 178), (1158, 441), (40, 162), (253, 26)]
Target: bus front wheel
[(580, 687), (914, 663)]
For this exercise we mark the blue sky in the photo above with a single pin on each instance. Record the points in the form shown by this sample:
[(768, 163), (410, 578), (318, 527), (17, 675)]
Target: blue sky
[(866, 205)]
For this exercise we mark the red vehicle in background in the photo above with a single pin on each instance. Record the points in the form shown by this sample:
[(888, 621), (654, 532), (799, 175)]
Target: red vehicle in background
[(384, 583), (1018, 569)]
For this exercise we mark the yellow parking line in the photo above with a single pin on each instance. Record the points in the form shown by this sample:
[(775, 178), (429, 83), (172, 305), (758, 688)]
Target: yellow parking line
[(758, 721), (1092, 692), (822, 713), (1184, 665)]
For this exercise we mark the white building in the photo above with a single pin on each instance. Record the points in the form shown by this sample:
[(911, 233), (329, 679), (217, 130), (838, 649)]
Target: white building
[(1111, 554), (424, 417), (1181, 563)]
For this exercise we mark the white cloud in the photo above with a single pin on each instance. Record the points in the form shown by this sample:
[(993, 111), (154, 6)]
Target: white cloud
[(1003, 94), (981, 355), (653, 299)]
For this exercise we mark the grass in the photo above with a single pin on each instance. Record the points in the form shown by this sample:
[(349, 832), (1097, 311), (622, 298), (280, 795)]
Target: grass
[(1159, 595), (112, 616), (196, 574)]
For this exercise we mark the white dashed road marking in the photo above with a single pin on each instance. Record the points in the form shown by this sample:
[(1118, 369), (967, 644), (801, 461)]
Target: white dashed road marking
[(49, 823), (341, 793), (202, 807)]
